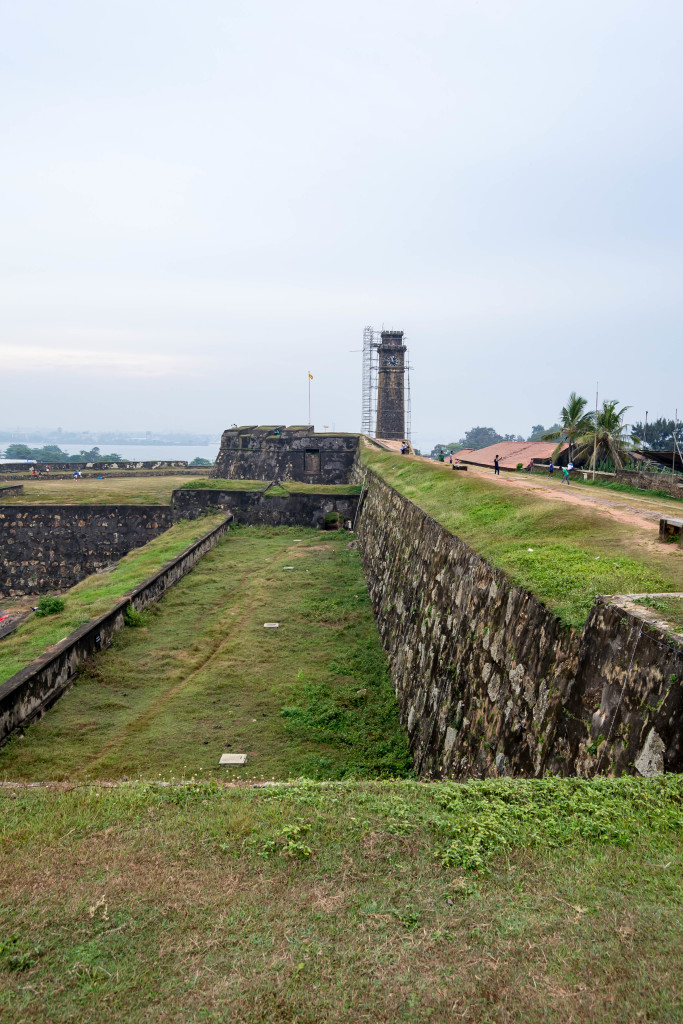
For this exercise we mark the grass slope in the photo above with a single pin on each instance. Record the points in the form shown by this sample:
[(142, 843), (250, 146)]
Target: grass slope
[(575, 553), (505, 902), (111, 490), (203, 676), (97, 594), (283, 489)]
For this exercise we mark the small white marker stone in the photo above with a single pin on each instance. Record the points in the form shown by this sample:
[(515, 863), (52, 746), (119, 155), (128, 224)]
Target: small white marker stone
[(287, 566), (296, 542), (233, 759), (271, 625)]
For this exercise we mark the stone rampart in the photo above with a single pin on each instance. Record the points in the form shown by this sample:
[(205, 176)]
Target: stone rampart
[(256, 508), (669, 482), (52, 547), (11, 491), (32, 691), (489, 681), (285, 453)]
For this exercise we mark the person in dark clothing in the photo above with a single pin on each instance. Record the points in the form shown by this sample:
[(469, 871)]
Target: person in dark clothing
[(496, 465), (551, 468)]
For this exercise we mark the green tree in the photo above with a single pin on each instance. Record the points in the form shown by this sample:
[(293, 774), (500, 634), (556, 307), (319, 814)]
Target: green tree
[(659, 434), (201, 462), (480, 437), (574, 423), (608, 438), (18, 451)]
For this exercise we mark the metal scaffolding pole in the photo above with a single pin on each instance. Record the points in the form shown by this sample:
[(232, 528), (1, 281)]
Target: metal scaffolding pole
[(408, 408), (369, 407)]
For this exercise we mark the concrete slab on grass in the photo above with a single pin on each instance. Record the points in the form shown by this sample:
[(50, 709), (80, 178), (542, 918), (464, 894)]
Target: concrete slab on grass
[(233, 759), (271, 625)]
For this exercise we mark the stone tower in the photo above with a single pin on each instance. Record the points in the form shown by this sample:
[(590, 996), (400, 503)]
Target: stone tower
[(391, 423)]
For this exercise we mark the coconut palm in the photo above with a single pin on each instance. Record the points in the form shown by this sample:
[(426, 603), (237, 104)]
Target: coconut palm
[(575, 423), (609, 438)]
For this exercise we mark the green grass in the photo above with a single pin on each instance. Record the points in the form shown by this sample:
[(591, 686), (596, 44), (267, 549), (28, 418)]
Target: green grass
[(219, 484), (281, 490), (202, 676), (505, 902), (576, 552), (127, 490), (670, 608), (97, 594)]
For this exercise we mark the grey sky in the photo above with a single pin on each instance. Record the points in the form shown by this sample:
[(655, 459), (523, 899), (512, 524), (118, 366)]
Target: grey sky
[(202, 201)]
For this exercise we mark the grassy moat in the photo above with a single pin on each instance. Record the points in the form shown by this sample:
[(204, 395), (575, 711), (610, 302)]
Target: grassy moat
[(202, 676), (347, 891)]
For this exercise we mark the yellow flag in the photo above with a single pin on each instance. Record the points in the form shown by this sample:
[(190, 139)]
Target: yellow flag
[(310, 376)]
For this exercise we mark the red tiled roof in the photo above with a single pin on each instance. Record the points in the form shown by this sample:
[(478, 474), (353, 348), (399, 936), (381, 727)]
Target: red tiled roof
[(510, 453)]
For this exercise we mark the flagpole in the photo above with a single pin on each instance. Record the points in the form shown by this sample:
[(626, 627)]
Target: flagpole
[(309, 398)]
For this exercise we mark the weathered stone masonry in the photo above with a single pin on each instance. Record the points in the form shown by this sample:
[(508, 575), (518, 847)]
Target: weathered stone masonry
[(285, 453), (52, 547), (255, 508), (489, 680)]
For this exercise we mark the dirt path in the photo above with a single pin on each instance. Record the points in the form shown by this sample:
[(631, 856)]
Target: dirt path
[(642, 512)]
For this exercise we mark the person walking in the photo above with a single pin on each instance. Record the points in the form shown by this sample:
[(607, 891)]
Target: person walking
[(565, 475), (530, 467), (551, 468), (496, 465)]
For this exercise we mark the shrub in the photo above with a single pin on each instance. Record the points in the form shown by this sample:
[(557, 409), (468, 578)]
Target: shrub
[(49, 606), (133, 616), (520, 465)]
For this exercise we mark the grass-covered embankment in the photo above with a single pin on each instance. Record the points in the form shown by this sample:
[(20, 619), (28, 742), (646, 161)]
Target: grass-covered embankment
[(563, 553), (97, 594), (508, 902), (203, 676), (282, 489), (111, 490)]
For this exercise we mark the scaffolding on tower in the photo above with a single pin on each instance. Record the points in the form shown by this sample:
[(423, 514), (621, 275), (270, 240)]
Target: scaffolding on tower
[(408, 408), (369, 410)]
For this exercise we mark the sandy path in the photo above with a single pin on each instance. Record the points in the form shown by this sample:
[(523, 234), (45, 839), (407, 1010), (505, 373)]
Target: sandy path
[(642, 512)]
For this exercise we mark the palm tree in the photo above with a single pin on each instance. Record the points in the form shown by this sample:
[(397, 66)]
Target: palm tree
[(575, 423), (608, 438)]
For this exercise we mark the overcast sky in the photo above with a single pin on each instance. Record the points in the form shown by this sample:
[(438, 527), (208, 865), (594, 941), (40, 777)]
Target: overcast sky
[(203, 200)]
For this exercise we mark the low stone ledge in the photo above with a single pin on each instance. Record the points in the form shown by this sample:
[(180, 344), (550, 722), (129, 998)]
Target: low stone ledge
[(30, 692), (11, 491)]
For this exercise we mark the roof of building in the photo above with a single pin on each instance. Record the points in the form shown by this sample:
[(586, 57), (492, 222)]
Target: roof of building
[(510, 453)]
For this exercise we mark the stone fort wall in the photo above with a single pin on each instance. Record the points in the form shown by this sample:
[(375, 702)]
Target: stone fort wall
[(52, 547), (285, 453), (489, 681)]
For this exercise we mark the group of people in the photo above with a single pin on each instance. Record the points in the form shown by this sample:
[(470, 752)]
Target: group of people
[(39, 472), (566, 470), (405, 448)]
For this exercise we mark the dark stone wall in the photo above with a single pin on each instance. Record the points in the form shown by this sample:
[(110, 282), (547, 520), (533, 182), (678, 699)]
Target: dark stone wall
[(254, 508), (668, 482), (296, 453), (29, 693), (12, 490), (488, 679), (52, 547)]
